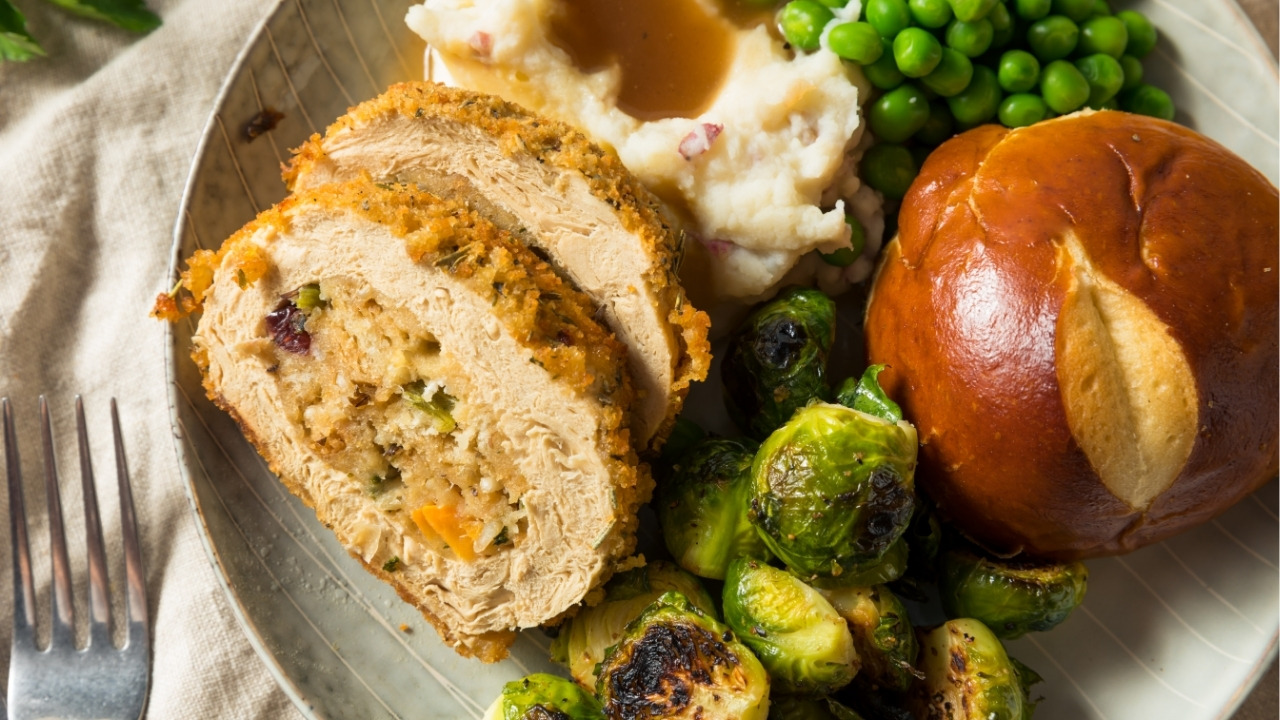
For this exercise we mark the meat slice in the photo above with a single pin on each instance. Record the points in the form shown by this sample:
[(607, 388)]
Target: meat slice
[(456, 414), (543, 181)]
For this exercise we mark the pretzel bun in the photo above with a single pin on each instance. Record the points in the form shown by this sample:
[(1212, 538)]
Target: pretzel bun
[(1081, 319)]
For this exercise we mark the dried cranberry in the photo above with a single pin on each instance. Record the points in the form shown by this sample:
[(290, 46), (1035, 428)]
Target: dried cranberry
[(287, 325)]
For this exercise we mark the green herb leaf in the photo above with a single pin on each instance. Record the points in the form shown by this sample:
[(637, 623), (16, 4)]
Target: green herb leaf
[(15, 42), (391, 565), (131, 15), (439, 407)]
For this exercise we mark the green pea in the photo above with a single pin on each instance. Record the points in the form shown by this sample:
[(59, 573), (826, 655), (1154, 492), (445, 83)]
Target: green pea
[(1063, 87), (970, 10), (1132, 67), (1106, 35), (1149, 100), (802, 21), (1105, 77), (1077, 10), (930, 13), (951, 76), (889, 17), (888, 168), (1112, 104), (979, 102), (1032, 10), (898, 114), (970, 38), (834, 4), (939, 128), (857, 235), (1053, 38), (856, 41), (1142, 34), (1019, 71), (884, 72), (1000, 18), (916, 52), (1100, 8), (1022, 109)]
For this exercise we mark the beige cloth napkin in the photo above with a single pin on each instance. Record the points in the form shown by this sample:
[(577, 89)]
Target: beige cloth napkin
[(95, 145)]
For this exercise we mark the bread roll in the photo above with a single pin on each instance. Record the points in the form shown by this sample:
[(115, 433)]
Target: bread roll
[(546, 184), (444, 401), (1081, 319)]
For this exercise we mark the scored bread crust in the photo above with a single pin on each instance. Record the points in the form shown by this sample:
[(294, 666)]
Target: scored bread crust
[(438, 137), (1070, 301), (407, 239)]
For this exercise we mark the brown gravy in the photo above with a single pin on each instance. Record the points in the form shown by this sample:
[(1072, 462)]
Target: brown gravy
[(673, 54)]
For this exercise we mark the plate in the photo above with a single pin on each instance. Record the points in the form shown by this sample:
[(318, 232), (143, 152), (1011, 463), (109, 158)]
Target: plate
[(1177, 630)]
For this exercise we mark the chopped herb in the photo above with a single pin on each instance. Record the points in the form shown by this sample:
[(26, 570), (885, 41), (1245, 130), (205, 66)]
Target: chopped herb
[(439, 407), (391, 565), (309, 297), (501, 538)]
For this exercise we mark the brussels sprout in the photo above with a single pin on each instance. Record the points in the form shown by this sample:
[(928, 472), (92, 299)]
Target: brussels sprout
[(833, 489), (804, 707), (777, 360), (882, 634), (1010, 597), (684, 435), (583, 639), (674, 661), (544, 697), (800, 639), (703, 508), (865, 394), (923, 539), (892, 565), (967, 676)]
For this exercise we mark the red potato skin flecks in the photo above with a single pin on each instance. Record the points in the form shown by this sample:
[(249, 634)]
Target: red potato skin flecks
[(965, 313)]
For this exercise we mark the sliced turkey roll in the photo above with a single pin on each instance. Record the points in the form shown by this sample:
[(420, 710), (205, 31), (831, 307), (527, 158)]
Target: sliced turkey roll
[(446, 403), (548, 185)]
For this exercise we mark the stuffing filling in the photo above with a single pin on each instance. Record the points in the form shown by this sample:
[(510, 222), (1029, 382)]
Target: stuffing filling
[(382, 402)]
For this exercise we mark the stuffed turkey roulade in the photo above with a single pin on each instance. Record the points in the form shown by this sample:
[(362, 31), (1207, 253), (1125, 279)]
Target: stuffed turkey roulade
[(443, 400)]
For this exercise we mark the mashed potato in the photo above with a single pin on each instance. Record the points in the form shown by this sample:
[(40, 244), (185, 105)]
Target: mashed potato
[(761, 176)]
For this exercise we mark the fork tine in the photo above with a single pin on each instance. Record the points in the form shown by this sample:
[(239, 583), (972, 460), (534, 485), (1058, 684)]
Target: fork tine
[(63, 630), (99, 605), (136, 590), (24, 591)]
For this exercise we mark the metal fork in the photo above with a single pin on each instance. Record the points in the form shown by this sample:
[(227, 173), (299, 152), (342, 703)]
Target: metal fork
[(99, 682)]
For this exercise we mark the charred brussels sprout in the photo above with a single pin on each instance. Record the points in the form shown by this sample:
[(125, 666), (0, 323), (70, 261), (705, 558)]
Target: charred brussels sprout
[(584, 638), (800, 639), (702, 507), (833, 490), (777, 360), (882, 634), (804, 707), (544, 697), (676, 662), (1010, 597), (968, 676)]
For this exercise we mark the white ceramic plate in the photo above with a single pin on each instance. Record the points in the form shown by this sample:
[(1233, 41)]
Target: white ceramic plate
[(1179, 630)]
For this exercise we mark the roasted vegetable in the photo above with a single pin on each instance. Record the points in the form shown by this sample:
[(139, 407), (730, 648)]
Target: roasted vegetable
[(584, 638), (832, 490), (882, 633), (800, 639), (674, 661), (702, 507), (805, 707), (968, 676), (1010, 597), (777, 360), (544, 697), (865, 394)]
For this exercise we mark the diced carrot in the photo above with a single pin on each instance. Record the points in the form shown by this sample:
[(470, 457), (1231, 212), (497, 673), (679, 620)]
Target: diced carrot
[(445, 523)]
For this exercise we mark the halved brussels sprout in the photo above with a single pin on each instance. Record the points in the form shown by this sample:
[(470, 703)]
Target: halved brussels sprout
[(800, 639), (584, 638), (777, 360), (1011, 597), (882, 633), (833, 490), (805, 707), (967, 676), (675, 662), (703, 507), (544, 697)]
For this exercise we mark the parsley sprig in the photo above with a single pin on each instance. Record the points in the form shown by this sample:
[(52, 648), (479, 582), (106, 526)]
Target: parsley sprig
[(17, 43)]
